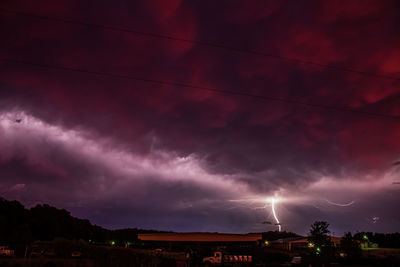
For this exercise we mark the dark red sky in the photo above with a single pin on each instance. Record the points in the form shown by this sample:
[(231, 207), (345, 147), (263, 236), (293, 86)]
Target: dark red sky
[(128, 153)]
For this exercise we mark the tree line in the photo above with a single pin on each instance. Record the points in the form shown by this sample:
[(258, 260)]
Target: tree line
[(22, 226)]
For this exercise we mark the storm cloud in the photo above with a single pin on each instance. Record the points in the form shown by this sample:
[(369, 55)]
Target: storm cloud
[(131, 153)]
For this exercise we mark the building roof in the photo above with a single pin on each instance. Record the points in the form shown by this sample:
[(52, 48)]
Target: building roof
[(287, 240), (295, 240), (200, 237)]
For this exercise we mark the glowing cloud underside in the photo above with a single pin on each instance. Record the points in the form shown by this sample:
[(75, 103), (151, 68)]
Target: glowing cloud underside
[(119, 163), (20, 131)]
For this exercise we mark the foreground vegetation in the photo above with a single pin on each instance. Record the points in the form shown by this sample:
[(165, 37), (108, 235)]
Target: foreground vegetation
[(46, 236), (20, 227)]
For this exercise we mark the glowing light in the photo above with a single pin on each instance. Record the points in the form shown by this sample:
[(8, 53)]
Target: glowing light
[(266, 243), (375, 219), (273, 200), (310, 245)]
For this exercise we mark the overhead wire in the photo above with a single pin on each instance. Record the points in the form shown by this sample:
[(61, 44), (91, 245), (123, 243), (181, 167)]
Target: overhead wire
[(231, 92), (196, 87)]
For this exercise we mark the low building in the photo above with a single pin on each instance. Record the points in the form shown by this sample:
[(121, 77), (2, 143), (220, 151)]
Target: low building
[(199, 239), (289, 243), (368, 244), (298, 243)]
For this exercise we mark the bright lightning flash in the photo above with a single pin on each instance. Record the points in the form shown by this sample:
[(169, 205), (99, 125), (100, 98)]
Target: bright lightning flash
[(273, 201)]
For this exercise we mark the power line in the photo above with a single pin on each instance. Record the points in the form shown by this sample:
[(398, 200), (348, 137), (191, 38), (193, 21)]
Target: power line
[(184, 85), (198, 42)]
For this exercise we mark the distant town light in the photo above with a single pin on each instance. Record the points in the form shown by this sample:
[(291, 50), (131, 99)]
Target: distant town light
[(310, 245), (266, 243)]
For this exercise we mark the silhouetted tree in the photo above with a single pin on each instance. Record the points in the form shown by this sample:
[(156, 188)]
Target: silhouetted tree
[(14, 225), (20, 227), (319, 237)]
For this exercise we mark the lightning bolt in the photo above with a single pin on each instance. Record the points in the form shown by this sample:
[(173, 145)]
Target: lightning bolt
[(341, 205), (274, 213)]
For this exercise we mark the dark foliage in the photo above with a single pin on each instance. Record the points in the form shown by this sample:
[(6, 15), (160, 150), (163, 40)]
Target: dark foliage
[(319, 237), (383, 240), (350, 246), (319, 234), (20, 226), (14, 223), (48, 222)]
